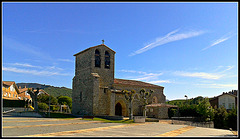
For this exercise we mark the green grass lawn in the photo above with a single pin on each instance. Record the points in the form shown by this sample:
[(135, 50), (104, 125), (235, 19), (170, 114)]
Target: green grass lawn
[(69, 116), (126, 121)]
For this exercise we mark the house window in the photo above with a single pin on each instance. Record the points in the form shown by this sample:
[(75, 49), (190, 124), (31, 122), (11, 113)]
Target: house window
[(229, 105), (224, 105), (107, 60), (97, 58), (9, 94), (233, 106)]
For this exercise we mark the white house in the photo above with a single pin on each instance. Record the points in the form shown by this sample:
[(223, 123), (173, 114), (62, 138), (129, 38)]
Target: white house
[(227, 100)]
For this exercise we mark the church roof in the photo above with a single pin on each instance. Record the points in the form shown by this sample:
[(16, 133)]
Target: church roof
[(93, 47), (135, 83)]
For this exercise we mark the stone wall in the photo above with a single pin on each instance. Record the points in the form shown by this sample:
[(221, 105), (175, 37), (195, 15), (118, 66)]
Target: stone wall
[(158, 112), (92, 86), (137, 104), (93, 82)]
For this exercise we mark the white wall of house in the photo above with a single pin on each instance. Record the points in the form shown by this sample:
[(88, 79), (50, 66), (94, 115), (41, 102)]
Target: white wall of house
[(227, 101), (12, 88)]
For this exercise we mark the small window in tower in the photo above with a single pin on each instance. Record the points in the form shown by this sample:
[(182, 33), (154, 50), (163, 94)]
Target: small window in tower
[(80, 96), (105, 90), (107, 60), (97, 59)]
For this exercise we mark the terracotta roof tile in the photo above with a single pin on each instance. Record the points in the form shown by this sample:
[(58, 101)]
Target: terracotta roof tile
[(135, 83), (22, 89), (93, 47), (8, 83)]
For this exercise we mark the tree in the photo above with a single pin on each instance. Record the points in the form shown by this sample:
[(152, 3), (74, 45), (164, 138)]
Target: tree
[(144, 96), (45, 99), (205, 110), (220, 116), (43, 106), (231, 120), (65, 100), (129, 96), (34, 97)]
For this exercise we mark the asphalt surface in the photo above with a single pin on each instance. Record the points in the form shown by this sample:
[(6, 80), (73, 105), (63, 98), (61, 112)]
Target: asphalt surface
[(52, 127)]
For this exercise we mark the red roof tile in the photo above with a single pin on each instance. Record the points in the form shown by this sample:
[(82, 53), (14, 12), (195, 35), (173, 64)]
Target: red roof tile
[(93, 47), (8, 83), (135, 83)]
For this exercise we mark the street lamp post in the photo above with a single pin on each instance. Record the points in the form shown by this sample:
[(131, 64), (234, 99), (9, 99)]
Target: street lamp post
[(186, 98)]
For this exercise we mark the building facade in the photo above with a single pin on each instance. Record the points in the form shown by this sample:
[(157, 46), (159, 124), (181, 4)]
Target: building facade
[(10, 91), (97, 92), (226, 99)]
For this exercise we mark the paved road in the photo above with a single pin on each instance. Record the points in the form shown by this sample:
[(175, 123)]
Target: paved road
[(42, 127)]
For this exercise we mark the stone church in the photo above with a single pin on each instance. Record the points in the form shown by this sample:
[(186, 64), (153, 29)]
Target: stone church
[(96, 91)]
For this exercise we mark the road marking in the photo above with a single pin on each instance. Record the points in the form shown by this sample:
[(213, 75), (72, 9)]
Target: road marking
[(176, 132), (39, 120), (63, 133), (51, 124)]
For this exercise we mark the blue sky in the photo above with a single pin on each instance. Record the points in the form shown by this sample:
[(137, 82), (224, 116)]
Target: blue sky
[(189, 48)]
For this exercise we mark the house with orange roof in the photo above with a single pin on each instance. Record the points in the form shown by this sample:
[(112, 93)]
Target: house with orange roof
[(10, 91)]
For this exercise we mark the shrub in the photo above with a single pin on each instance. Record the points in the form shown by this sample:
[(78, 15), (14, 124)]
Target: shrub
[(65, 100), (172, 112), (231, 119), (42, 106), (220, 116)]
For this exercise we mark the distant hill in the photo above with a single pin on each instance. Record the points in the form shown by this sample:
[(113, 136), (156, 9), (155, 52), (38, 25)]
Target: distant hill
[(32, 85), (57, 91), (176, 102), (195, 100), (52, 90)]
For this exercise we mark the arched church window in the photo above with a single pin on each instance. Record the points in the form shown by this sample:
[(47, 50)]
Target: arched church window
[(107, 60), (97, 58)]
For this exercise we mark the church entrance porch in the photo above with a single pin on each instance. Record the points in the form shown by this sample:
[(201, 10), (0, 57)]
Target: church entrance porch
[(120, 108)]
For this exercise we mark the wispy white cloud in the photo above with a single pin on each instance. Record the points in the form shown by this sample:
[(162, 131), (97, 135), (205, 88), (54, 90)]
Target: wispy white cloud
[(220, 40), (203, 75), (160, 81), (66, 60), (23, 65), (170, 37), (219, 72), (33, 72), (25, 48), (146, 77), (214, 85), (53, 68)]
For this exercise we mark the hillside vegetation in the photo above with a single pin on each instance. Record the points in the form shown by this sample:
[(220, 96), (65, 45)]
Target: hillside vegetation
[(57, 91), (52, 90)]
